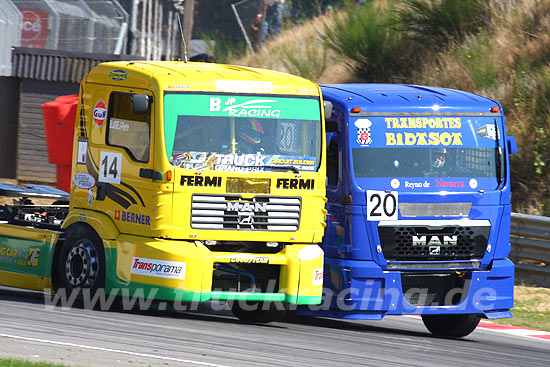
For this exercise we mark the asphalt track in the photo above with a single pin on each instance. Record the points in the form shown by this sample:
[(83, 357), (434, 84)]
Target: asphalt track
[(80, 337)]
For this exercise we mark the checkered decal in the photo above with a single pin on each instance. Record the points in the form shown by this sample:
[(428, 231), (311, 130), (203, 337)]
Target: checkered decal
[(364, 136)]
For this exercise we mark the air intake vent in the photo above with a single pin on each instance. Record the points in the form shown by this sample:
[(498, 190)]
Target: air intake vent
[(433, 289)]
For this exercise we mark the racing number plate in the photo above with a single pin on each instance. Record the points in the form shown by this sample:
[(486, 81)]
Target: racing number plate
[(382, 205)]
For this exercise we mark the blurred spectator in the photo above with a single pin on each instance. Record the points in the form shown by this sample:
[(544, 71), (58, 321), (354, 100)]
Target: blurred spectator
[(256, 28), (274, 16)]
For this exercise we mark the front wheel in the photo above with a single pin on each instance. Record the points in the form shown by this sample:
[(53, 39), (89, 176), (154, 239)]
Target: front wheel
[(258, 312), (452, 326), (80, 269)]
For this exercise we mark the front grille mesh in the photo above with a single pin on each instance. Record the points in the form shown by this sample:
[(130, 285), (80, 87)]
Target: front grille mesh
[(410, 243), (235, 212), (434, 289), (257, 278)]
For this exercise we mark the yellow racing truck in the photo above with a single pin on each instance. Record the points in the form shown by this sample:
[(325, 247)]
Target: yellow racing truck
[(190, 182)]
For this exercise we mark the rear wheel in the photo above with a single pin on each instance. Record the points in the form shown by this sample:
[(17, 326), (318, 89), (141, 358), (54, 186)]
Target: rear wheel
[(258, 312), (80, 265), (455, 326)]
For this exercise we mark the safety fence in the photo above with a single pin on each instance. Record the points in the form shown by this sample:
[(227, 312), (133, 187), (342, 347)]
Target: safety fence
[(530, 238)]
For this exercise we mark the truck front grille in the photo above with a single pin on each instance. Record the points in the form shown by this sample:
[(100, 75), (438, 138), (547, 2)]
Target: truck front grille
[(426, 242), (260, 213)]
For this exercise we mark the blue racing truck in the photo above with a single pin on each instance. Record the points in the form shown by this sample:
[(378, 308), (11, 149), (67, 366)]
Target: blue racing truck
[(418, 206)]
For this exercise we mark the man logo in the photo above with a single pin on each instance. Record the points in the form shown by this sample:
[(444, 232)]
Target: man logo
[(434, 241), (236, 206), (435, 250), (246, 211), (246, 219)]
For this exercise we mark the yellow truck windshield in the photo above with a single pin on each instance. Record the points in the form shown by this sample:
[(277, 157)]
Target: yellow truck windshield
[(242, 133)]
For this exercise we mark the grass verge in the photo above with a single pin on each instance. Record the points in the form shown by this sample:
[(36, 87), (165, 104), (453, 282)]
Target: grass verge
[(22, 363), (531, 308)]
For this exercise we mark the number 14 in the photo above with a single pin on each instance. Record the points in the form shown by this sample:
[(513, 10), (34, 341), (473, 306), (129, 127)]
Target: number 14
[(110, 167)]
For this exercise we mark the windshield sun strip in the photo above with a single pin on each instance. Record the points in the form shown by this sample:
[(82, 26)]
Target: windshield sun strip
[(313, 146)]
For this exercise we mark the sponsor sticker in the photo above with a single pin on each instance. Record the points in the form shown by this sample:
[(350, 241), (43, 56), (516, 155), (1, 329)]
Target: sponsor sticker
[(417, 185), (488, 131), (100, 113), (296, 183), (22, 257), (178, 86), (264, 108), (246, 259), (130, 217), (82, 151), (250, 106), (317, 277), (205, 181), (118, 75), (448, 184), (429, 134), (158, 268), (243, 86), (90, 197), (364, 136), (240, 162), (84, 180), (395, 183)]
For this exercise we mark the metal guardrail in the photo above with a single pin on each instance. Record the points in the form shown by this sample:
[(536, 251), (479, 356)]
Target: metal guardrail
[(530, 238)]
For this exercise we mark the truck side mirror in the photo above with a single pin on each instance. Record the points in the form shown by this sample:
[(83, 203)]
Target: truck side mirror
[(328, 109), (512, 145), (140, 104)]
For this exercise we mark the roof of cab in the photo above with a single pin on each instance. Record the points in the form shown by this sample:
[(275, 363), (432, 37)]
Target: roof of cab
[(400, 98), (198, 76)]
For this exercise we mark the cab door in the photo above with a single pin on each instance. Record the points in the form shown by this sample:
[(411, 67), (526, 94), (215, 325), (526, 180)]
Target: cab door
[(334, 242), (125, 165)]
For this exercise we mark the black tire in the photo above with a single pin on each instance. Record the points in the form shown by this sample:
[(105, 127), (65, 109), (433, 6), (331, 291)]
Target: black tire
[(80, 265), (258, 312), (451, 326)]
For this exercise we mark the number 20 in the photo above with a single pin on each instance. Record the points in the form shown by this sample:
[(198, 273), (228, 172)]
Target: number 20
[(382, 205)]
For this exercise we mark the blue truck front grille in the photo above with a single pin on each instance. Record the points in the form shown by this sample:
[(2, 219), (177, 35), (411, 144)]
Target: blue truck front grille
[(425, 242)]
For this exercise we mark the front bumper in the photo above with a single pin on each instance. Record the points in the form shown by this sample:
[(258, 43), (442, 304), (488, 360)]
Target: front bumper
[(184, 271), (362, 290)]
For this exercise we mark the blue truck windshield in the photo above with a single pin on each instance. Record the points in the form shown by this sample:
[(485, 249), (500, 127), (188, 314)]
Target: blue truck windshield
[(425, 162), (423, 147)]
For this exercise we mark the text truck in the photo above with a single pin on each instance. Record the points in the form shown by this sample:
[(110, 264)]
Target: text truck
[(190, 182), (418, 206)]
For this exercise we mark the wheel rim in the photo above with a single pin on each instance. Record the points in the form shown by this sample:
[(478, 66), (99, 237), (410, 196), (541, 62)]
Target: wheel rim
[(82, 265)]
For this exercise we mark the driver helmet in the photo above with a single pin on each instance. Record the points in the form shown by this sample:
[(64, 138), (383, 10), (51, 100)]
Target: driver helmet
[(438, 157), (251, 131)]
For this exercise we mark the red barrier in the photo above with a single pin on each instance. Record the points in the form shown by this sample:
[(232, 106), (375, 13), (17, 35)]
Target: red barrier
[(59, 121)]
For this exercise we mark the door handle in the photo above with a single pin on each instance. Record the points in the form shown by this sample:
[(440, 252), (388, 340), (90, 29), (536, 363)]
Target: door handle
[(346, 199), (150, 173)]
